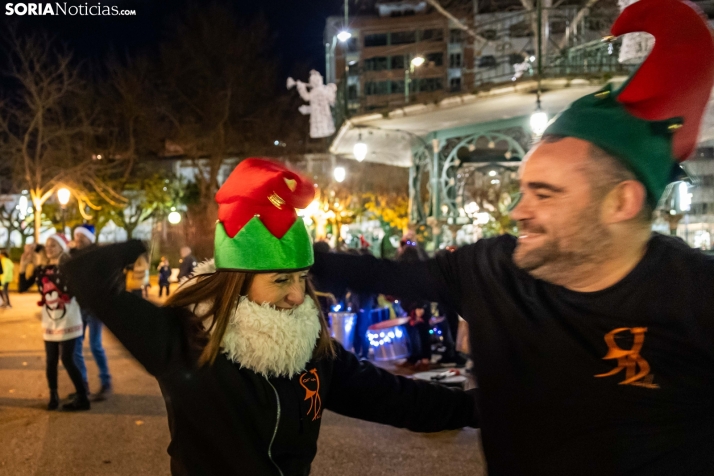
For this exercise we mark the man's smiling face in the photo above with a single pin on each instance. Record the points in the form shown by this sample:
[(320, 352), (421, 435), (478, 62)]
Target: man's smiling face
[(558, 214)]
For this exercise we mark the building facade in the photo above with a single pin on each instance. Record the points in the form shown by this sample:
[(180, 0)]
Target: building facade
[(375, 65)]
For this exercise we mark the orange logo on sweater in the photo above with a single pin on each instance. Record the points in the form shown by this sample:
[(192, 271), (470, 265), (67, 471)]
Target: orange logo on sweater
[(310, 381), (636, 368)]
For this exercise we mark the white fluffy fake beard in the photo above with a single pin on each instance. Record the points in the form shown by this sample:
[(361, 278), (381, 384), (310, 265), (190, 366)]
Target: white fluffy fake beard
[(270, 341)]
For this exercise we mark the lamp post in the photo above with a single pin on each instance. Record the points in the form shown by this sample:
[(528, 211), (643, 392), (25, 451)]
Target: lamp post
[(414, 63), (63, 195), (539, 119)]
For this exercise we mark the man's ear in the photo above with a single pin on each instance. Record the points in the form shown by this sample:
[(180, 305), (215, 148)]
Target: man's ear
[(624, 202)]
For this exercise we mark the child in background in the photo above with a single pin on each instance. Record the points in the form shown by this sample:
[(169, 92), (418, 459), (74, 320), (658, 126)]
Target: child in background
[(164, 276), (61, 323)]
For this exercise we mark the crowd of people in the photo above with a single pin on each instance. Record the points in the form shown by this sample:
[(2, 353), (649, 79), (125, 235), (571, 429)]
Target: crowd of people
[(64, 323)]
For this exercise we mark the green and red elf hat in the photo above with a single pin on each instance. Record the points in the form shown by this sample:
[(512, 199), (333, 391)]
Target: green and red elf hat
[(258, 229), (652, 122)]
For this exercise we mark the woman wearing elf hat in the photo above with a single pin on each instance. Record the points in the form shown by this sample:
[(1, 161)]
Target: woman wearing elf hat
[(241, 352), (61, 322)]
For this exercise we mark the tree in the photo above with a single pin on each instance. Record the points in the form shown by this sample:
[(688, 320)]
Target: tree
[(22, 221), (217, 99), (148, 196), (46, 128)]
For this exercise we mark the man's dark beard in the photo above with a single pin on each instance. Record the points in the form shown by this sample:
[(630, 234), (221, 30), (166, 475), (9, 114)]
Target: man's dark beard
[(587, 244)]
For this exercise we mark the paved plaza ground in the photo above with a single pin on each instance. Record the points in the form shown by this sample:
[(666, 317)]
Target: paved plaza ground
[(128, 434)]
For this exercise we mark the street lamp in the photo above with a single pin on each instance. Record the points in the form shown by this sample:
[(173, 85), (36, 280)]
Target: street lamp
[(174, 218), (63, 196), (360, 149), (339, 173), (344, 35), (414, 63), (539, 121)]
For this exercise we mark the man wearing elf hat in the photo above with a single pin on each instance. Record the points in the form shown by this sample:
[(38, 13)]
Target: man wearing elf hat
[(242, 354), (84, 238), (592, 338)]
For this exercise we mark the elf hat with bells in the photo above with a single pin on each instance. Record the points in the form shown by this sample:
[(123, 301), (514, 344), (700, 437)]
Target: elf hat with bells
[(258, 229), (651, 123)]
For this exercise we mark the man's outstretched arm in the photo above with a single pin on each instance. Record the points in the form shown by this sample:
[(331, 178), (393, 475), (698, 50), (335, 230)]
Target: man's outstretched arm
[(436, 279)]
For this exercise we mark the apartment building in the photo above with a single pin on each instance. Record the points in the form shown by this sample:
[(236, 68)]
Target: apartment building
[(375, 64)]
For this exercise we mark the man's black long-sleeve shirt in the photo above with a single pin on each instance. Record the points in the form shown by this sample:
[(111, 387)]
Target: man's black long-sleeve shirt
[(619, 381)]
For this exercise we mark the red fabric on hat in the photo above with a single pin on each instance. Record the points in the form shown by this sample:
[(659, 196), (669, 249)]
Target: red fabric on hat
[(247, 193), (676, 79)]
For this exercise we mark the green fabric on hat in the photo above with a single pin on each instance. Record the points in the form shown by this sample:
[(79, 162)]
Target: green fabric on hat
[(644, 147), (255, 249)]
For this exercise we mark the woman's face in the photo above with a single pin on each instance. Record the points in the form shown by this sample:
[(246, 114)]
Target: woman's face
[(52, 249), (282, 290)]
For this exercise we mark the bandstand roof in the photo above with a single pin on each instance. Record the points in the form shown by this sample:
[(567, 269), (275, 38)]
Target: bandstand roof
[(391, 136)]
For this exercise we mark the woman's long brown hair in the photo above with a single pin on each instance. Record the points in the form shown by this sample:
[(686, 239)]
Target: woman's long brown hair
[(220, 293)]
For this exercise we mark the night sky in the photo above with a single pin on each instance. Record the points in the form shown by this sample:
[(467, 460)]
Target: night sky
[(297, 24)]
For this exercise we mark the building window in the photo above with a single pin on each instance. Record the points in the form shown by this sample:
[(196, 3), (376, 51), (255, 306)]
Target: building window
[(353, 68), (516, 58), (397, 87), (352, 92), (377, 39), (455, 84), (430, 84), (455, 60), (487, 61), (378, 63), (375, 88), (402, 38), (456, 36), (436, 34), (436, 58), (398, 62)]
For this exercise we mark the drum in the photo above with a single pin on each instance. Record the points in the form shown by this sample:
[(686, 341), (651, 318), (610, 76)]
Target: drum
[(389, 339), (342, 328)]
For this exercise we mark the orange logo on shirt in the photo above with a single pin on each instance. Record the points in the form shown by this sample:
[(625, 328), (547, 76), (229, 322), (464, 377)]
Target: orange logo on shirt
[(310, 381), (636, 368)]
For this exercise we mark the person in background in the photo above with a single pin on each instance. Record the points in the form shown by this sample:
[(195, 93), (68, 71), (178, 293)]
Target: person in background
[(6, 279), (84, 239), (146, 286), (61, 323), (164, 276), (29, 259), (186, 264), (135, 275), (419, 312)]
